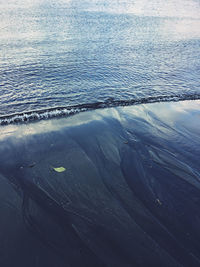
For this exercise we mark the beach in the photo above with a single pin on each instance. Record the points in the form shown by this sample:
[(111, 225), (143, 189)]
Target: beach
[(109, 187), (99, 133)]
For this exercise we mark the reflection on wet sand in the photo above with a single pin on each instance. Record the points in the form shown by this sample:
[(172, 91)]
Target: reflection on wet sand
[(127, 195)]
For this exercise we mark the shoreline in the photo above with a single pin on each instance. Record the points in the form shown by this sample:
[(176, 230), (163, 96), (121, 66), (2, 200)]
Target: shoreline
[(65, 111), (129, 194)]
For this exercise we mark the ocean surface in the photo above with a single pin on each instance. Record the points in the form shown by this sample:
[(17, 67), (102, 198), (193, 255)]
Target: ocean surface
[(60, 57)]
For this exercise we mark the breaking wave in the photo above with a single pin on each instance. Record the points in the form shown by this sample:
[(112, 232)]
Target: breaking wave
[(43, 114)]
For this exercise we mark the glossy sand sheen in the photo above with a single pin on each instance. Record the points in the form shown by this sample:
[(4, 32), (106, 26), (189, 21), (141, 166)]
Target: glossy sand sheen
[(128, 194)]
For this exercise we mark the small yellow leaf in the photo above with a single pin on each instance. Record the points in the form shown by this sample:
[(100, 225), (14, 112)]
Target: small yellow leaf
[(59, 169)]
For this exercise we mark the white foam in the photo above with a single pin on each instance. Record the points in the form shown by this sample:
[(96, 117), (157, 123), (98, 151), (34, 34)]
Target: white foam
[(32, 116)]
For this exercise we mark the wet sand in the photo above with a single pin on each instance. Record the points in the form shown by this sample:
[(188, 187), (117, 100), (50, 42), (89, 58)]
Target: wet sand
[(129, 194)]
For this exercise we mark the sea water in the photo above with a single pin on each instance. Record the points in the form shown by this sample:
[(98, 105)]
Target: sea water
[(64, 54)]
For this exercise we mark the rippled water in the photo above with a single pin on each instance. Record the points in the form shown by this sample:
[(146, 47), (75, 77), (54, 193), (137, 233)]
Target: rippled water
[(64, 53)]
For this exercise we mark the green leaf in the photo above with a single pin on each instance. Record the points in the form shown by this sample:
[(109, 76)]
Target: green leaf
[(59, 169)]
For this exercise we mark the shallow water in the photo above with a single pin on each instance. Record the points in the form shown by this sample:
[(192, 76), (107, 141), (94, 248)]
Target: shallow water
[(129, 195), (63, 53)]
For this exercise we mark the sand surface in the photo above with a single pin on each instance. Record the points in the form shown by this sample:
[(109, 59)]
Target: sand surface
[(129, 194)]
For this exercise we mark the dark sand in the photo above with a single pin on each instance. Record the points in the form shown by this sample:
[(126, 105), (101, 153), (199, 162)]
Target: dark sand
[(130, 195)]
